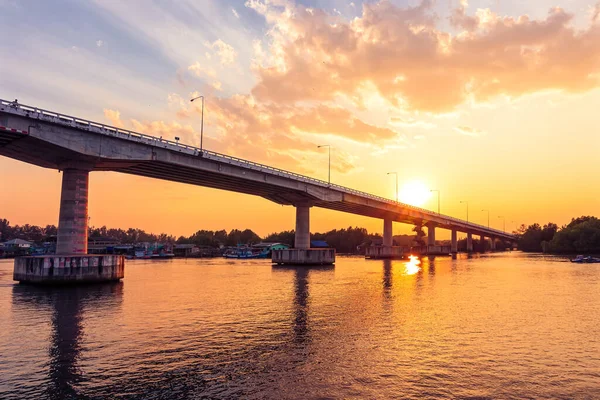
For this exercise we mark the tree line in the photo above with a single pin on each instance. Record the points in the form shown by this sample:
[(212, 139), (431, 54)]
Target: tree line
[(40, 234), (347, 240), (580, 236)]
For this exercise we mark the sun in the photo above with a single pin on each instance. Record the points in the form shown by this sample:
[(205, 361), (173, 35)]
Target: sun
[(414, 193)]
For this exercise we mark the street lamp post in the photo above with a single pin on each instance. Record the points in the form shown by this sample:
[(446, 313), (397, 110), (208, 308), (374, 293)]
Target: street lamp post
[(503, 223), (201, 121), (467, 203), (438, 196), (395, 173), (488, 211), (329, 169)]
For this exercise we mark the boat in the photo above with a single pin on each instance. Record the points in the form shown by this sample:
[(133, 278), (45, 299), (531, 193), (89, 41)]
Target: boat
[(161, 255), (246, 253), (585, 260)]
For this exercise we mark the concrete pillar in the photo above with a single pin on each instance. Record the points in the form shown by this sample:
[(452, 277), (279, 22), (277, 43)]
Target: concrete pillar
[(73, 218), (302, 239), (469, 242), (431, 235), (454, 249), (387, 232), (493, 244), (482, 243)]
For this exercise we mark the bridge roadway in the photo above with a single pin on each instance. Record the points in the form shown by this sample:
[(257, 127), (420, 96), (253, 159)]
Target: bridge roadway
[(78, 146)]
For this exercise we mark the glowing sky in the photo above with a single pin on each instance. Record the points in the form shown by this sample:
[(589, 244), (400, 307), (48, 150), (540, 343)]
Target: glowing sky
[(493, 102)]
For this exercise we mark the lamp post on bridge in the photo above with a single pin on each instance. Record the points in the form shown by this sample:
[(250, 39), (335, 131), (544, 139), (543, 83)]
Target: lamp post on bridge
[(503, 223), (467, 203), (201, 121), (488, 211), (329, 169), (395, 173), (438, 196)]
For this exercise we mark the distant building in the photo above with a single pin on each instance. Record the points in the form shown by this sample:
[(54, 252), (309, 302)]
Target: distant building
[(102, 245), (15, 248), (186, 250), (17, 243), (271, 246)]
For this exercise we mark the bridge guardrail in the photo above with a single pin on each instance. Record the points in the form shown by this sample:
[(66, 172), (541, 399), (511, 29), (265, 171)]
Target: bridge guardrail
[(126, 134)]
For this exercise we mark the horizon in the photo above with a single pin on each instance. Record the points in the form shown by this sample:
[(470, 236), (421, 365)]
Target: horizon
[(501, 137)]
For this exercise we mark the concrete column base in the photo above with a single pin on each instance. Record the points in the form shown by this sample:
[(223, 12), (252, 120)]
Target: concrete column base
[(303, 257), (386, 252), (439, 250), (73, 269)]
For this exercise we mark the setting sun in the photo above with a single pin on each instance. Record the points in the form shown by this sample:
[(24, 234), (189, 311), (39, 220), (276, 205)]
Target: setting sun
[(414, 193)]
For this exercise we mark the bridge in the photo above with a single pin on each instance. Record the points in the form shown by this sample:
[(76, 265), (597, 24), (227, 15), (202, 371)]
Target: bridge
[(77, 147)]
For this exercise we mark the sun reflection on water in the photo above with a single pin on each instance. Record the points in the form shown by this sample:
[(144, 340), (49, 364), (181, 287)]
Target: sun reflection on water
[(413, 265)]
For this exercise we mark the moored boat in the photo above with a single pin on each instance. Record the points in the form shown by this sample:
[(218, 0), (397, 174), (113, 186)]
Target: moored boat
[(246, 253), (585, 260)]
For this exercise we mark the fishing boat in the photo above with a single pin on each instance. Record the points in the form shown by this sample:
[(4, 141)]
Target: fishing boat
[(142, 253), (246, 253), (585, 260), (161, 255)]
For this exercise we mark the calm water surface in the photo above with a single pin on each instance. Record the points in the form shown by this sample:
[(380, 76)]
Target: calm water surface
[(499, 326)]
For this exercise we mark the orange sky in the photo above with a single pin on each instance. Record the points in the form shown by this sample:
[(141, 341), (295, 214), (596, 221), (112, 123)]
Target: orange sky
[(487, 105)]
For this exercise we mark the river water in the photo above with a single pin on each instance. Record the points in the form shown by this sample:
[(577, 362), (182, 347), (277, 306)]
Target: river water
[(496, 326)]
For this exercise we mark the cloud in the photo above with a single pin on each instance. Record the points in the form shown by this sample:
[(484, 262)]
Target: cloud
[(468, 131), (186, 133), (280, 137), (114, 117), (595, 13), (99, 43), (235, 13), (315, 57), (225, 52), (202, 70), (460, 19), (243, 114), (411, 122)]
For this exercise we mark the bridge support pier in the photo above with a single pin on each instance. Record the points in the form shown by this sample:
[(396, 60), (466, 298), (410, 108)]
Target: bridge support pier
[(387, 232), (73, 217), (302, 237), (469, 242), (431, 235), (482, 244), (71, 264), (388, 250), (302, 254), (432, 249), (493, 244), (454, 246)]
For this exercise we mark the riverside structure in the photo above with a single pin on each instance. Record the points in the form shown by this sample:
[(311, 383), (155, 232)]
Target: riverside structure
[(77, 147)]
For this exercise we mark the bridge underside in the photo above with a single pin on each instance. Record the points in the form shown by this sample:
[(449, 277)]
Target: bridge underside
[(39, 152)]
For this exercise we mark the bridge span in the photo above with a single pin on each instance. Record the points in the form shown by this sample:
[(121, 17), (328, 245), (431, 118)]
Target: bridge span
[(77, 146)]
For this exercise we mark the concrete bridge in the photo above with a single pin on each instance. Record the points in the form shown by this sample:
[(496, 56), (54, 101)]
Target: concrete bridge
[(77, 147)]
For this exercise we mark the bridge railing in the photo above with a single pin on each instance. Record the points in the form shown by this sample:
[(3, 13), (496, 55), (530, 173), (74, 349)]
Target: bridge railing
[(80, 123)]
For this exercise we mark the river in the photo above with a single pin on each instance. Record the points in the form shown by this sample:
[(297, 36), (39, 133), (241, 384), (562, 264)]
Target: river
[(497, 326)]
